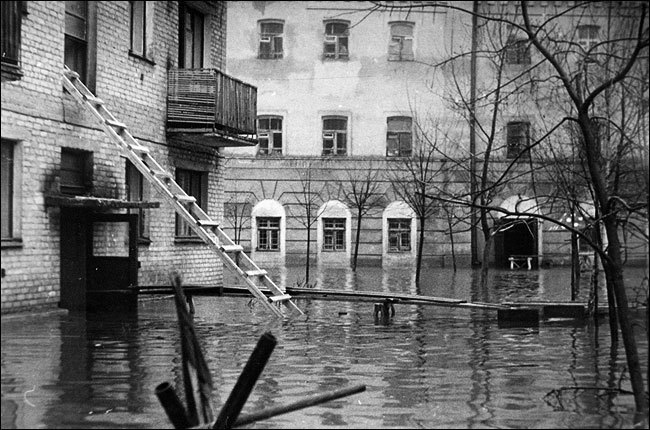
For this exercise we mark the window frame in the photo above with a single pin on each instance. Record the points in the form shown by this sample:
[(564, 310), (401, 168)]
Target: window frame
[(517, 51), (271, 134), (274, 39), (269, 234), (137, 192), (76, 162), (341, 49), (398, 134), (85, 47), (400, 230), (514, 149), (398, 40), (12, 17), (334, 135), (182, 230), (197, 56), (334, 230), (142, 33)]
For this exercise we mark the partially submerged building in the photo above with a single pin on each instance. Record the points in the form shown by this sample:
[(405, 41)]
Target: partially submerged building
[(351, 93), (77, 218)]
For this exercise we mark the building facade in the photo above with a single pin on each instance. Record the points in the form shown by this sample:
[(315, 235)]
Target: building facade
[(77, 217), (348, 92)]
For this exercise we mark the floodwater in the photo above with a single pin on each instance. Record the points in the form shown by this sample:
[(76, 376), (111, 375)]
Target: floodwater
[(429, 367)]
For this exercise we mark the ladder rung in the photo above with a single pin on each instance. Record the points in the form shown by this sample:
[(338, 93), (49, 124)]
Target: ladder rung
[(207, 223), (185, 199), (140, 149), (71, 74), (115, 124), (232, 248), (93, 99), (258, 272), (280, 298), (163, 175)]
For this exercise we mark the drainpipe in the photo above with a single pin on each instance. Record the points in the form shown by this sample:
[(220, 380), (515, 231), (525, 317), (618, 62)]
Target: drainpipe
[(472, 138)]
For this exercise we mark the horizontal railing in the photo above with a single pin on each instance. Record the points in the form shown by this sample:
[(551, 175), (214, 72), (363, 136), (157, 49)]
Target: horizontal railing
[(208, 98)]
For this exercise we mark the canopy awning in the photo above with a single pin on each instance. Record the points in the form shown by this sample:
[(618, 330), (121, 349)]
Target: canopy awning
[(90, 202)]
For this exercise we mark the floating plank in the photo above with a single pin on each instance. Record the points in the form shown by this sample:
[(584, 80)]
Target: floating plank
[(280, 298)]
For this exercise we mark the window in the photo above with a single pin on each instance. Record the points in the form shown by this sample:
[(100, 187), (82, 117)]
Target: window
[(195, 184), (7, 188), (76, 171), (336, 40), (268, 234), (518, 138), (191, 45), (398, 137), (138, 28), (12, 12), (270, 40), (269, 135), (334, 234), (517, 51), (76, 37), (588, 39), (399, 234), (135, 189), (335, 135), (588, 36), (400, 47)]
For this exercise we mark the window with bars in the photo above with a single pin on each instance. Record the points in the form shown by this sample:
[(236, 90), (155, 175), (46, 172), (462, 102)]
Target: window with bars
[(191, 46), (335, 132), (195, 184), (271, 39), (518, 139), (268, 234), (135, 191), (334, 234), (400, 47), (399, 136), (517, 51), (269, 135), (335, 46), (399, 235)]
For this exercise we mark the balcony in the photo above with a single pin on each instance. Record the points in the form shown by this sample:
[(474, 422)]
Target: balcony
[(209, 107)]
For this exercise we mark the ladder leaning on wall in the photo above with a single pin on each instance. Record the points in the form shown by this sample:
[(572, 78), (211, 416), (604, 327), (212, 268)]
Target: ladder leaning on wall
[(231, 254)]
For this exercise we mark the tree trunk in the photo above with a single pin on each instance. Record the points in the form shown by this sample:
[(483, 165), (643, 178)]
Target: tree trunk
[(418, 265), (356, 243), (308, 257)]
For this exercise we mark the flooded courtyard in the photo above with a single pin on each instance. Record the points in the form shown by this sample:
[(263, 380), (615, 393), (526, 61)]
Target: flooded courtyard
[(429, 367)]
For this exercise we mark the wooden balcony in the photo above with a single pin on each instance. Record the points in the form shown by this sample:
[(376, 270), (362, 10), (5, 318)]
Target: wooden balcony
[(209, 107)]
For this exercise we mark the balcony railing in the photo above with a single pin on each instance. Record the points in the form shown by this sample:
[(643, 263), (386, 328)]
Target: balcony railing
[(206, 100)]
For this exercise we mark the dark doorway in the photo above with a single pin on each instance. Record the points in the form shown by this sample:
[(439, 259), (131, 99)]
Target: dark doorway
[(74, 236), (112, 256), (516, 237)]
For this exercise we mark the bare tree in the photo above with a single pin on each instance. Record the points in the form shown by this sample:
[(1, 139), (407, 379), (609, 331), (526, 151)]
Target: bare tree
[(237, 212), (363, 191), (308, 197)]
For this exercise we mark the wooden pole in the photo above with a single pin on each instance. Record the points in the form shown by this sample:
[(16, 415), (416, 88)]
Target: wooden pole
[(172, 405), (247, 379), (300, 404)]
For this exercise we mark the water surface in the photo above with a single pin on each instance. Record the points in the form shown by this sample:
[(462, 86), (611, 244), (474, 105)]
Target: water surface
[(429, 367)]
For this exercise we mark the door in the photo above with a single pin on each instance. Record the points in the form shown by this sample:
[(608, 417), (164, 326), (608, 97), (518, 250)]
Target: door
[(112, 257)]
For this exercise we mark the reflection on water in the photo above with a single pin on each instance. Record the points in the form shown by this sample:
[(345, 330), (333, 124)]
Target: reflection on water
[(430, 367)]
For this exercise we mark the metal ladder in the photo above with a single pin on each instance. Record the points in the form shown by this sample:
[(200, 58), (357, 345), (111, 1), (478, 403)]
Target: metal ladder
[(232, 254)]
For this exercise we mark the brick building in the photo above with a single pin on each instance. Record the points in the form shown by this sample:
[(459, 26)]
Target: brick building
[(77, 218), (344, 90)]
